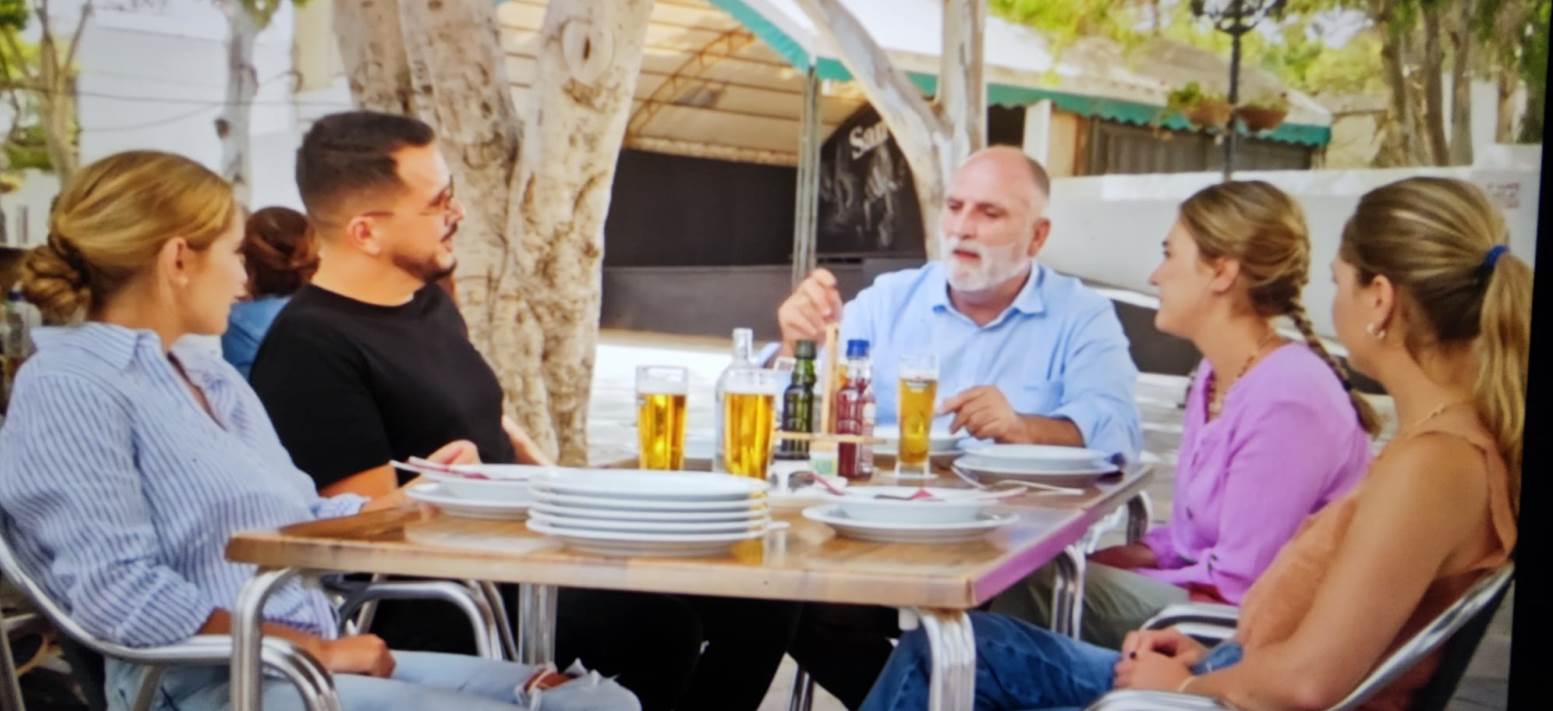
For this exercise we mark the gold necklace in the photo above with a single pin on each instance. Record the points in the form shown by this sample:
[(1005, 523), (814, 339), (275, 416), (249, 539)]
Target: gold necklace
[(1215, 398), (1436, 412)]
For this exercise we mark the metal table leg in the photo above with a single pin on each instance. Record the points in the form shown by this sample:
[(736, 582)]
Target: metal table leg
[(1139, 513), (952, 641), (509, 642), (536, 624), (247, 615), (1068, 592)]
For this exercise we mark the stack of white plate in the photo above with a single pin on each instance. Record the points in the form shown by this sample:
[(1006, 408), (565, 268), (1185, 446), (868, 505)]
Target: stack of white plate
[(891, 514), (1068, 466), (940, 442), (628, 512), (494, 491)]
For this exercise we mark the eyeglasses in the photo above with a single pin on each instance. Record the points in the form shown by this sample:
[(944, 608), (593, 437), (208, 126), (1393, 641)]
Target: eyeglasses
[(446, 210)]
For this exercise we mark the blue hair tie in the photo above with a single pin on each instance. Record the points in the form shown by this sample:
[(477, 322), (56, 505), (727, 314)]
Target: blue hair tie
[(1492, 260)]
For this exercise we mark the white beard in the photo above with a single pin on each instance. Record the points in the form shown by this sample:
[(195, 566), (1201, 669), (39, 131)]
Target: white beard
[(996, 265)]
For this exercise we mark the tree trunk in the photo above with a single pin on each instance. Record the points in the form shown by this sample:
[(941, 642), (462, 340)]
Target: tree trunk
[(242, 85), (1434, 88), (1394, 150), (373, 50), (962, 94), (1461, 87), (590, 55), (57, 102), (1506, 79), (923, 134)]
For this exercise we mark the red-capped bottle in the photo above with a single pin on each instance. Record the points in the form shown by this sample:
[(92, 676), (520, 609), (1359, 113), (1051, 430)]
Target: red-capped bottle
[(855, 414)]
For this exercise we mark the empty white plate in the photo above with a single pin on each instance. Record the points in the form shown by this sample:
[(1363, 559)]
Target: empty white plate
[(883, 532), (649, 485), (546, 496), (463, 507), (614, 543), (680, 527), (1044, 457), (988, 472), (735, 515), (953, 505)]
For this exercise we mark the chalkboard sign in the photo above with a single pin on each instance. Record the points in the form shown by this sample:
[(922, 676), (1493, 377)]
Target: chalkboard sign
[(868, 204)]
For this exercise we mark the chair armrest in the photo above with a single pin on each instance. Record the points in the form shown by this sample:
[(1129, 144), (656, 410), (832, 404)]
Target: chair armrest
[(1134, 700), (282, 656), (469, 600), (1203, 613)]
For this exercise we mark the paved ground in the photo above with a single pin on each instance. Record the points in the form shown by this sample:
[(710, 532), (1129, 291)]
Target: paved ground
[(612, 431)]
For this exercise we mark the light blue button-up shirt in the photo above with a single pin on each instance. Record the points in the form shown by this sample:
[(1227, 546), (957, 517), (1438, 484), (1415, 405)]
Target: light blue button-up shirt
[(1057, 351), (119, 492)]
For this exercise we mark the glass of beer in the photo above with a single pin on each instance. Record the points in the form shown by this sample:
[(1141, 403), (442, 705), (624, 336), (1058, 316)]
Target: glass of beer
[(918, 392), (749, 421), (660, 415)]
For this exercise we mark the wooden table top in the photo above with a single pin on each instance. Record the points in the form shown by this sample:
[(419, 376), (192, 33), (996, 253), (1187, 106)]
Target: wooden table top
[(806, 562)]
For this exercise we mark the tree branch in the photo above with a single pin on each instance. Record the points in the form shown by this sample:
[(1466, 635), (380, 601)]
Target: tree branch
[(75, 40)]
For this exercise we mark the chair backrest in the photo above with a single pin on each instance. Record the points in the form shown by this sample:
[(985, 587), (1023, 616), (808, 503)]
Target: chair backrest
[(1453, 629), (14, 571)]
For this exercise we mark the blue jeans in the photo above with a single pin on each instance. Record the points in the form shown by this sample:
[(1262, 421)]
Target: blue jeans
[(421, 680), (1018, 666)]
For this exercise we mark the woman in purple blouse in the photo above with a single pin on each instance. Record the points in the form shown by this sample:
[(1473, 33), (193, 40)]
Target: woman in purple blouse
[(1273, 429)]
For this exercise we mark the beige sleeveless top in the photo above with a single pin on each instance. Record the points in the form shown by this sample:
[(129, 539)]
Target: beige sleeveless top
[(1280, 599)]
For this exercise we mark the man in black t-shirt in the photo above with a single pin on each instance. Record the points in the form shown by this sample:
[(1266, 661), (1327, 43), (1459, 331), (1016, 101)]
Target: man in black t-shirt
[(372, 362)]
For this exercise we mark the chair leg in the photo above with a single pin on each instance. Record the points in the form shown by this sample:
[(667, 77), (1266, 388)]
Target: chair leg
[(802, 697), (10, 685)]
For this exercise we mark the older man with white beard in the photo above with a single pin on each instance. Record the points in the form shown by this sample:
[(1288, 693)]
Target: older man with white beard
[(1025, 354)]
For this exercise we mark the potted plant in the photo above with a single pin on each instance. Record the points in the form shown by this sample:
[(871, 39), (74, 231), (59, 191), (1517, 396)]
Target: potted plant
[(1203, 109), (1264, 114)]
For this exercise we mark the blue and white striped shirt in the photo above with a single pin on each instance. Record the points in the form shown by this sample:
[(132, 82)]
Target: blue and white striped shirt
[(119, 491)]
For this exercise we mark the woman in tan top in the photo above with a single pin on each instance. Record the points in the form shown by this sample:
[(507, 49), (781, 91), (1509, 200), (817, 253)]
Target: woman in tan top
[(1430, 304)]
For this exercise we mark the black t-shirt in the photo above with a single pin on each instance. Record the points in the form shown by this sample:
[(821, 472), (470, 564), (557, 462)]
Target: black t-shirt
[(350, 385)]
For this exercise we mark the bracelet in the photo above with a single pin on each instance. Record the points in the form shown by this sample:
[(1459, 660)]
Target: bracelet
[(1184, 682)]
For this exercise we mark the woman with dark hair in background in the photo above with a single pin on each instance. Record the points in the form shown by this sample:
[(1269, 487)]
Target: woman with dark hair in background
[(281, 255)]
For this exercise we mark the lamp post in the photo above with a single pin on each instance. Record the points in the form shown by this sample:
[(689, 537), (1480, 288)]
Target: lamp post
[(1235, 18)]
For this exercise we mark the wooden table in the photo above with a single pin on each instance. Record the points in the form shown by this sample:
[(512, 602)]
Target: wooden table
[(807, 562)]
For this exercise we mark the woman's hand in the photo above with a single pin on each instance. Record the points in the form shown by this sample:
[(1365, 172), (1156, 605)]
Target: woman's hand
[(1150, 671), (1171, 643), (365, 654)]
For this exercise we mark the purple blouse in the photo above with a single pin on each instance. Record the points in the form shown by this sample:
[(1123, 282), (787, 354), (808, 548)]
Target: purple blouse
[(1287, 443)]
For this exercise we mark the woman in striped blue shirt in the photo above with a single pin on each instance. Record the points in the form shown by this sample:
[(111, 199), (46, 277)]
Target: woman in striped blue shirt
[(129, 459)]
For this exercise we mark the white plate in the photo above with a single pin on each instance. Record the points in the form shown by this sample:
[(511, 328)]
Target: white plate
[(545, 496), (679, 527), (462, 507), (734, 515), (957, 505), (512, 492), (634, 544), (881, 532), (989, 472), (649, 485), (1043, 457)]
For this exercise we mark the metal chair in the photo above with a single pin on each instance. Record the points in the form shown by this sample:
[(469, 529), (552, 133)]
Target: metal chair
[(1458, 629), (312, 680)]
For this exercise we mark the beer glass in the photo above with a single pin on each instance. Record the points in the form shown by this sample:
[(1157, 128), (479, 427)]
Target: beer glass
[(918, 391), (660, 415), (749, 421)]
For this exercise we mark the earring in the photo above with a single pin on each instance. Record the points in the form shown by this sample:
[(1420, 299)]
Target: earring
[(1375, 331)]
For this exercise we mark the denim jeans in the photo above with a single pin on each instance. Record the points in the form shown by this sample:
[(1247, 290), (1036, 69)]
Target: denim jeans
[(421, 680), (1018, 666)]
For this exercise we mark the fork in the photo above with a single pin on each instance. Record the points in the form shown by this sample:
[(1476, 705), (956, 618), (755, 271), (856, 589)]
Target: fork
[(1017, 485)]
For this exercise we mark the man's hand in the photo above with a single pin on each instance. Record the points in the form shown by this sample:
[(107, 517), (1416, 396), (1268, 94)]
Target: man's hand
[(1170, 642), (459, 451), (360, 654), (985, 414), (528, 451), (813, 305), (1150, 671)]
